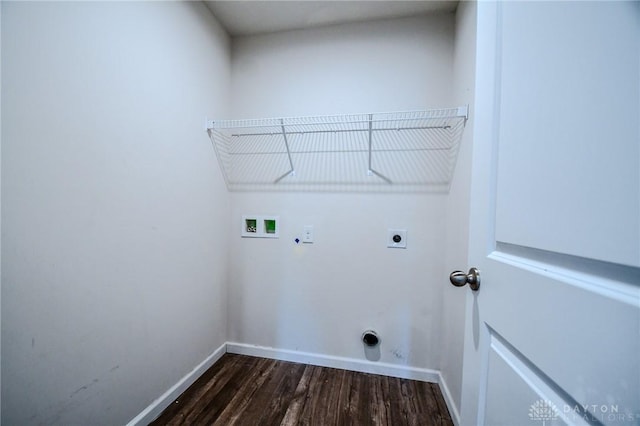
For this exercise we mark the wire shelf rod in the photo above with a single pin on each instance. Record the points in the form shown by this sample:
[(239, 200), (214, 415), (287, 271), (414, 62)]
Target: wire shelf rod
[(328, 123), (380, 175), (219, 155), (370, 139), (370, 170), (286, 144), (386, 129), (229, 124), (336, 151)]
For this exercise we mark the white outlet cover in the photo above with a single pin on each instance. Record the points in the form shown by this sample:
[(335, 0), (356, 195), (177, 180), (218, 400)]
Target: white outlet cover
[(307, 235), (397, 238)]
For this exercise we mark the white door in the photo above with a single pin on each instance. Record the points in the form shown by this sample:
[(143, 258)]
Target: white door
[(553, 334)]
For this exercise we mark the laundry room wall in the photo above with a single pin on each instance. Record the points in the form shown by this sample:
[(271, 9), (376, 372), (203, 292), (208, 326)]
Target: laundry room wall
[(458, 210), (319, 298), (113, 260)]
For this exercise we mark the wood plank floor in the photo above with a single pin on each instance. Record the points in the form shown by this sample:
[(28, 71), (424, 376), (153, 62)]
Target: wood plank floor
[(243, 390)]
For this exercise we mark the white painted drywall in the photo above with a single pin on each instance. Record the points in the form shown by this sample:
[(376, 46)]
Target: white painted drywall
[(392, 65), (457, 207), (320, 297), (113, 207), (0, 215)]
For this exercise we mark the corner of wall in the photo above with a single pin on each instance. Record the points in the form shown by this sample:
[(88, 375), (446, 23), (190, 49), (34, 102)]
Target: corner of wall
[(452, 404), (458, 208), (1, 62)]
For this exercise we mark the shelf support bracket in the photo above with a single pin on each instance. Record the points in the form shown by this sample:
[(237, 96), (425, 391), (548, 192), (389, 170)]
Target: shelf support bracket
[(291, 172), (463, 111), (370, 170)]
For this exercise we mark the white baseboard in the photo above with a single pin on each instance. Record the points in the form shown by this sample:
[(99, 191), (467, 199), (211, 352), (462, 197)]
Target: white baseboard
[(363, 366), (446, 394), (422, 374), (158, 406)]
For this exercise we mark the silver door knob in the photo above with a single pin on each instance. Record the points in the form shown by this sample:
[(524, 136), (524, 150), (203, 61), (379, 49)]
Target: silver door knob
[(459, 278)]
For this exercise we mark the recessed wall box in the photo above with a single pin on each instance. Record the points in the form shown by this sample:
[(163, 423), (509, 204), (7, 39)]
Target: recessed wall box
[(260, 226), (270, 226), (250, 225)]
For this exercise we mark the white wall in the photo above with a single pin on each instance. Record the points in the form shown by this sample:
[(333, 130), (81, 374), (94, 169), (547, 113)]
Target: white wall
[(0, 216), (457, 207), (392, 65), (113, 207), (319, 298)]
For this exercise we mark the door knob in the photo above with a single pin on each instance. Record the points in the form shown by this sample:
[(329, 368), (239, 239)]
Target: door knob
[(459, 278)]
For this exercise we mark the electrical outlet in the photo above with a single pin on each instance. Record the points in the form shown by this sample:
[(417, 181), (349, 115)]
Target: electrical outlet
[(307, 235), (397, 238)]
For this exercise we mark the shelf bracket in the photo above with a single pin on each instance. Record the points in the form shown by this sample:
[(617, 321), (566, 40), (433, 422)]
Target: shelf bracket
[(463, 111), (370, 170), (291, 172)]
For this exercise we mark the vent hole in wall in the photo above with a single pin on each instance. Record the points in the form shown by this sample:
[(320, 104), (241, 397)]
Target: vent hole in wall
[(370, 338)]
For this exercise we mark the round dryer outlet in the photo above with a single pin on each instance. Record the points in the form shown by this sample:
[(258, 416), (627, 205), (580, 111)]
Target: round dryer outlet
[(397, 238)]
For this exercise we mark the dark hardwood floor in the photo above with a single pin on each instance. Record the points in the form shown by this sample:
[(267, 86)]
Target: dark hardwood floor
[(245, 390)]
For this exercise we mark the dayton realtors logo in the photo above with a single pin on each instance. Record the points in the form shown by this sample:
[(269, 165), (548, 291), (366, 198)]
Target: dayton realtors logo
[(600, 413), (543, 411)]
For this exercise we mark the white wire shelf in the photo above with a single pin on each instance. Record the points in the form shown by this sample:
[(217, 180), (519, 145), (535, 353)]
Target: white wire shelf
[(393, 151)]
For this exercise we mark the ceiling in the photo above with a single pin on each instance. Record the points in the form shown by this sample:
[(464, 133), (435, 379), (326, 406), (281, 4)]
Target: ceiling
[(242, 18)]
